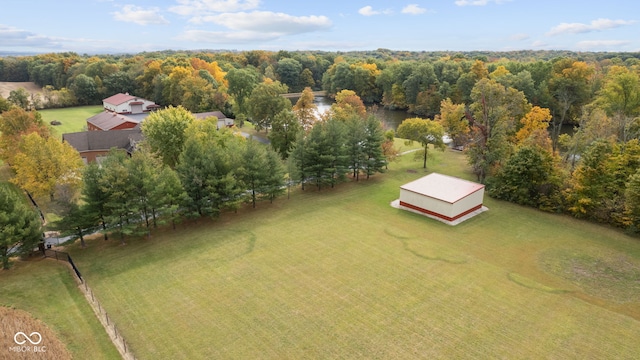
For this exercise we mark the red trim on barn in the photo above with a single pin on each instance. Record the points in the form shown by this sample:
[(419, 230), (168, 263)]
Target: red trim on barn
[(438, 215)]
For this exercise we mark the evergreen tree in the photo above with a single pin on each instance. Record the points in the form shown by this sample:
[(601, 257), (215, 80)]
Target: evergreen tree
[(20, 227)]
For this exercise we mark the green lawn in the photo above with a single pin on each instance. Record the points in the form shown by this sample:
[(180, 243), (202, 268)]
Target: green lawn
[(47, 290), (341, 274), (73, 119)]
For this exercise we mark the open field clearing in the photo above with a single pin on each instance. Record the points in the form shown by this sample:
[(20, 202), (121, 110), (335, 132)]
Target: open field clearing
[(47, 291), (341, 274), (73, 119), (6, 87)]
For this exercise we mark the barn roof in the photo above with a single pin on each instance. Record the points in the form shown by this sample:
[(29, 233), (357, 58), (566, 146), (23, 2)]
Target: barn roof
[(107, 120), (443, 187), (103, 140), (118, 99)]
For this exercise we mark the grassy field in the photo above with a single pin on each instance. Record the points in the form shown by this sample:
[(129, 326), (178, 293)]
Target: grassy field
[(341, 274), (73, 119), (46, 290)]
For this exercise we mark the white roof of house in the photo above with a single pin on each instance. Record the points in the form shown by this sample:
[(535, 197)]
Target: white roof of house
[(442, 187)]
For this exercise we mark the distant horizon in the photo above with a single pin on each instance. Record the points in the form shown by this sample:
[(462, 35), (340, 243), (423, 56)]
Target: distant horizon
[(34, 53), (134, 26)]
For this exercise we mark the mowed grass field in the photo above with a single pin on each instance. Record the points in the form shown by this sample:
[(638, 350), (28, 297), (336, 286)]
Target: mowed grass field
[(73, 119), (47, 291), (341, 274)]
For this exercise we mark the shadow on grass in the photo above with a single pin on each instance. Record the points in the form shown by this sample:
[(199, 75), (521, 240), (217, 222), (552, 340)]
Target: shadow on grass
[(426, 254), (530, 284)]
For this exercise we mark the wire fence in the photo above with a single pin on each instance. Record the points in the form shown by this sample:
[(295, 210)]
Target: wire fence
[(102, 315)]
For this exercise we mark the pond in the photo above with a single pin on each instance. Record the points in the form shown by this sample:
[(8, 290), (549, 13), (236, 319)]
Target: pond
[(391, 119)]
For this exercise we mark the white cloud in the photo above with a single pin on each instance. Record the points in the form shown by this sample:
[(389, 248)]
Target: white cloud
[(595, 25), (519, 37), (601, 44), (413, 9), (206, 7), (222, 37), (478, 2), (539, 44), (269, 22), (11, 36), (368, 11), (140, 16)]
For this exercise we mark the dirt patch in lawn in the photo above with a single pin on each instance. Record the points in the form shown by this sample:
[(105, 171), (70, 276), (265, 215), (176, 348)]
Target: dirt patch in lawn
[(610, 276)]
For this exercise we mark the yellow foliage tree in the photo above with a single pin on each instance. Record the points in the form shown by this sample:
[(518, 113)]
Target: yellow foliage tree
[(534, 128), (43, 164), (347, 105)]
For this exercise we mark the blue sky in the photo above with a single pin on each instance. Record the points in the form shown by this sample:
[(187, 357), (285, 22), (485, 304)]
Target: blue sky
[(115, 26)]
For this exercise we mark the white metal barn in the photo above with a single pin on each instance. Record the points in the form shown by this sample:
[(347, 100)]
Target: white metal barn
[(441, 196)]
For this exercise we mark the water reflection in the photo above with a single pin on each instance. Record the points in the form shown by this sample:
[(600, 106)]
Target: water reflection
[(391, 119)]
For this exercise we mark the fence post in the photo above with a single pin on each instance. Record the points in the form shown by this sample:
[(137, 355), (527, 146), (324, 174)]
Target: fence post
[(107, 317)]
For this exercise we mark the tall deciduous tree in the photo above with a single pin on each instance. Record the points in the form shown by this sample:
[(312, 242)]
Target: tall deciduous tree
[(347, 104), (570, 88), (266, 102), (529, 177), (425, 132), (305, 109), (44, 164), (14, 124), (20, 98), (164, 131), (620, 97), (632, 203), (534, 128), (284, 130), (20, 227), (288, 71), (241, 84), (495, 111), (454, 122)]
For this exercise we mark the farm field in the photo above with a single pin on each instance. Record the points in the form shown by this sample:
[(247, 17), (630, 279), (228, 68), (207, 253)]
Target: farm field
[(47, 291), (339, 273), (73, 119)]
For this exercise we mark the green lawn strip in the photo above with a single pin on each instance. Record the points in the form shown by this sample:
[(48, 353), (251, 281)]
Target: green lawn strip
[(339, 273), (73, 119), (46, 289)]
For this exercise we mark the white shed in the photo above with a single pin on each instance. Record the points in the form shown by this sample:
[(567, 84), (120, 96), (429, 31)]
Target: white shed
[(444, 197)]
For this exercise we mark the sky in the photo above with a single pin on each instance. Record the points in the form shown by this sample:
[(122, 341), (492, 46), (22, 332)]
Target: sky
[(132, 26)]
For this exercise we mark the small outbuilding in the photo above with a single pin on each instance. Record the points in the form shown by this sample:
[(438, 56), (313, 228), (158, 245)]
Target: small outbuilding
[(443, 197)]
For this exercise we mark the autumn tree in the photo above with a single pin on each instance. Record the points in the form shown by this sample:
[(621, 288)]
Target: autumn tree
[(620, 98), (20, 227), (15, 123), (424, 131), (570, 88), (305, 109), (164, 131), (493, 116), (453, 120), (347, 104), (44, 164), (534, 128), (632, 203)]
